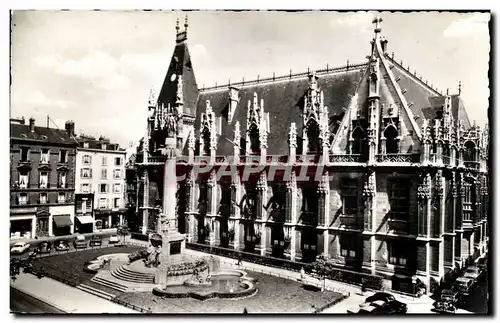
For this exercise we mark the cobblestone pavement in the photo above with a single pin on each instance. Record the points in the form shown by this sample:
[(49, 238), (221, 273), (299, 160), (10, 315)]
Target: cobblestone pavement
[(64, 297)]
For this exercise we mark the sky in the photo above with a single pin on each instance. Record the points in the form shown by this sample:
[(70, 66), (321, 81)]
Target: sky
[(97, 68)]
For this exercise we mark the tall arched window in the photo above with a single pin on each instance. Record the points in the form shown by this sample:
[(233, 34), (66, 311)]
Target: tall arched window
[(357, 144), (205, 136), (313, 137), (469, 151), (391, 141), (373, 83), (254, 140)]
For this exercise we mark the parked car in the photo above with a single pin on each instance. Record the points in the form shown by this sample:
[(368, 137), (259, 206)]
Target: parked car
[(61, 245), (379, 307), (482, 263), (464, 285), (80, 242), (114, 239), (391, 304), (449, 296), (444, 307), (20, 248), (473, 273), (44, 247), (96, 241)]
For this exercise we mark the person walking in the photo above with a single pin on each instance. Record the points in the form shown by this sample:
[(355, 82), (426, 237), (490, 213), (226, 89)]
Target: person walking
[(240, 262), (302, 274), (245, 311)]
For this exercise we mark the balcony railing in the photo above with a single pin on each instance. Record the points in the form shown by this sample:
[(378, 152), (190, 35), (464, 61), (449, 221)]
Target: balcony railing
[(156, 159), (398, 158), (308, 159), (471, 165), (348, 221), (355, 158), (282, 159), (398, 226)]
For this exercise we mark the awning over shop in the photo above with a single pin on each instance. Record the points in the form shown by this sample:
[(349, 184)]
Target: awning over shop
[(63, 220), (85, 219)]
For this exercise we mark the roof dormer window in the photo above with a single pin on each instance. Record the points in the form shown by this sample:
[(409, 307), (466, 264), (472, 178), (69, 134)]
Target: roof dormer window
[(85, 145)]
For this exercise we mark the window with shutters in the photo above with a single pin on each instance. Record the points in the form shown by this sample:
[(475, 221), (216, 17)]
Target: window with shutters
[(62, 179), (103, 203), (116, 203), (104, 160), (85, 188), (86, 173), (104, 173), (61, 198), (44, 156), (23, 199), (117, 174), (103, 188), (23, 179), (44, 179), (116, 188), (118, 161), (87, 159), (43, 198)]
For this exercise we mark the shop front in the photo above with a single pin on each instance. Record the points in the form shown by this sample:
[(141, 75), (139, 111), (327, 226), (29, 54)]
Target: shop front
[(62, 224), (106, 219), (22, 226), (84, 224)]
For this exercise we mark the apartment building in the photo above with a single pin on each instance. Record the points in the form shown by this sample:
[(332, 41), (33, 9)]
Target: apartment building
[(42, 177), (100, 184)]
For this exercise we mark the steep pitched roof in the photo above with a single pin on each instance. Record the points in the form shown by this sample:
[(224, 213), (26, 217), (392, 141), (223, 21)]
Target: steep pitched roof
[(457, 109), (283, 100), (180, 65), (41, 134)]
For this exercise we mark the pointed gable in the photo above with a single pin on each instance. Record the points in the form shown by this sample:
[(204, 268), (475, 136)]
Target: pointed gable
[(180, 68)]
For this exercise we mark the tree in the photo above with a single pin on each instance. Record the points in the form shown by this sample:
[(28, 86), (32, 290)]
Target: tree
[(123, 231)]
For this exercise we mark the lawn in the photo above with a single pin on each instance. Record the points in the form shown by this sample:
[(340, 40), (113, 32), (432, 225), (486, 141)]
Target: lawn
[(274, 295), (69, 266)]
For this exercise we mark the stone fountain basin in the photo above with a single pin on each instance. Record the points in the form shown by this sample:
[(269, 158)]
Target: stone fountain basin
[(245, 287), (94, 265)]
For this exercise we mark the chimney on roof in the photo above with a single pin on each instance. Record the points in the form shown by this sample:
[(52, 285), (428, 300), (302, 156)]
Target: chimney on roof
[(23, 120), (32, 124), (70, 128)]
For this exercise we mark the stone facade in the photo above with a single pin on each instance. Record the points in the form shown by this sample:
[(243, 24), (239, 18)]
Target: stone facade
[(366, 164), (42, 177)]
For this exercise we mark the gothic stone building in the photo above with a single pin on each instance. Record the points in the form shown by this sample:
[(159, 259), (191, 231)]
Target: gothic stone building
[(403, 185)]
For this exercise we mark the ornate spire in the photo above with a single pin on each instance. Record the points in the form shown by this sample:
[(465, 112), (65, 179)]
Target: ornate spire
[(177, 26), (180, 96), (376, 22), (292, 135), (152, 97), (186, 23), (237, 134), (459, 87), (191, 140)]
